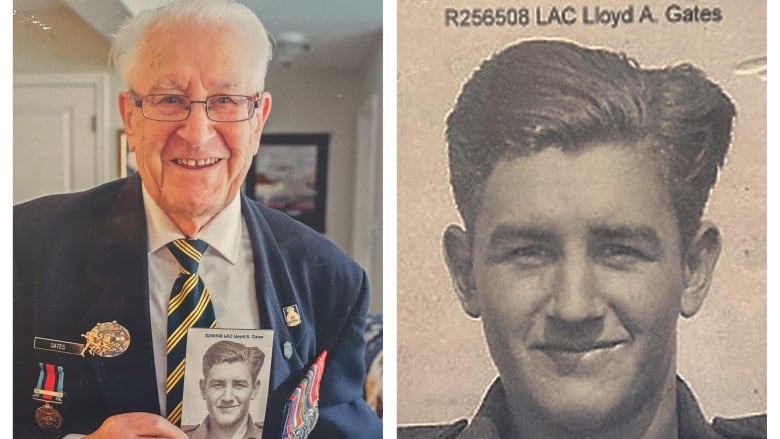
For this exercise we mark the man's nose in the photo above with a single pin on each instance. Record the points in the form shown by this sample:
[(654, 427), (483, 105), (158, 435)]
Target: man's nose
[(197, 129), (575, 297), (227, 395)]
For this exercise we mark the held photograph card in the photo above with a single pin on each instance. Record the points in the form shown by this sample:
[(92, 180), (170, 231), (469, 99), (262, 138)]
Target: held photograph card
[(581, 208), (226, 380)]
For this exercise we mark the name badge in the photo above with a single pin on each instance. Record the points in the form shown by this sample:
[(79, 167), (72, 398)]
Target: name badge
[(109, 339), (50, 344)]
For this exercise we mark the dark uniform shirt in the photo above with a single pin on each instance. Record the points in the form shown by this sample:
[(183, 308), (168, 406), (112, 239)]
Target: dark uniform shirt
[(492, 421), (201, 431)]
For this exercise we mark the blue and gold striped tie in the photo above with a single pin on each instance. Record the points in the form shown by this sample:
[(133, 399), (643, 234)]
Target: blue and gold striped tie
[(189, 306)]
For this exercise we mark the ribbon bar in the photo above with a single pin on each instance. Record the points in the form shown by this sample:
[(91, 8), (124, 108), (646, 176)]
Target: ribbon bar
[(50, 381)]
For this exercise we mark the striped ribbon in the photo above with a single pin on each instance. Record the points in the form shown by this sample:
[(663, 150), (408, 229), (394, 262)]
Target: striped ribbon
[(189, 306), (301, 410), (50, 380)]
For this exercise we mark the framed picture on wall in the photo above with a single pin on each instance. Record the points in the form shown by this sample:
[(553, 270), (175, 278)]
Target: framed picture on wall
[(289, 173)]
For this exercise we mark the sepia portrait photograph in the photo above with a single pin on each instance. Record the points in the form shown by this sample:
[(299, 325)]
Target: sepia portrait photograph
[(226, 383), (582, 220)]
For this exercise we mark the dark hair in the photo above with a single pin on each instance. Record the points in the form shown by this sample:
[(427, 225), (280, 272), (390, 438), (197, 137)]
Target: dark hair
[(545, 93), (225, 351)]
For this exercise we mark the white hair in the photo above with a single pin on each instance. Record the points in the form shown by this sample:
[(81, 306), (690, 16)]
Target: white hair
[(129, 38)]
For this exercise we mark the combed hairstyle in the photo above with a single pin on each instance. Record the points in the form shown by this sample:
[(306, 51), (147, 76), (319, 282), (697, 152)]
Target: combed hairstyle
[(130, 37), (538, 94), (226, 351)]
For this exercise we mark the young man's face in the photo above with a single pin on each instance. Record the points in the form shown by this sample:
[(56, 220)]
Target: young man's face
[(228, 389), (576, 270)]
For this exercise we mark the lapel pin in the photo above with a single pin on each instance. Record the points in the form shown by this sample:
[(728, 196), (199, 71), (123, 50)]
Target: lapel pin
[(287, 350), (291, 315)]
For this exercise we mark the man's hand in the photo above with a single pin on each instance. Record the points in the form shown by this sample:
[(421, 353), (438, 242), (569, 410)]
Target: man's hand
[(137, 425)]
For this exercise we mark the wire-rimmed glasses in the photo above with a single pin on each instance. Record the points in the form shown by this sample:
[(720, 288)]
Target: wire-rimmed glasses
[(176, 107)]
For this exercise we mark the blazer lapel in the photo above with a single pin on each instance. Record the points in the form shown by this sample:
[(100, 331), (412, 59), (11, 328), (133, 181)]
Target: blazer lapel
[(285, 372), (269, 266), (117, 265)]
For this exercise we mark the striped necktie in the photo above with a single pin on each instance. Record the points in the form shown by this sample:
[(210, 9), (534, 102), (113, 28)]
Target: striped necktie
[(189, 306)]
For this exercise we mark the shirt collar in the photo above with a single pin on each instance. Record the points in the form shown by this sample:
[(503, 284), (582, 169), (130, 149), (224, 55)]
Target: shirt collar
[(223, 233), (493, 421), (247, 430)]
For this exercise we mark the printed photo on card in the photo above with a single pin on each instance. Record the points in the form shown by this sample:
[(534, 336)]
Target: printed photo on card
[(226, 382)]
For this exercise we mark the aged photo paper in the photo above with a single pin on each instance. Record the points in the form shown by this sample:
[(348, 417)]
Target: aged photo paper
[(443, 363), (200, 343)]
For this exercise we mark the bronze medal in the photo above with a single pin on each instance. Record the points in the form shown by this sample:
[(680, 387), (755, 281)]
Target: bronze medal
[(108, 339), (48, 418), (51, 379)]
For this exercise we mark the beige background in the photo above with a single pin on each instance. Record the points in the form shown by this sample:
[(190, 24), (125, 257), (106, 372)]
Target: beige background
[(443, 364)]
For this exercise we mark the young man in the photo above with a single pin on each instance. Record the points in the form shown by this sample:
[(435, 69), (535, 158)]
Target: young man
[(230, 383), (581, 179), (114, 260)]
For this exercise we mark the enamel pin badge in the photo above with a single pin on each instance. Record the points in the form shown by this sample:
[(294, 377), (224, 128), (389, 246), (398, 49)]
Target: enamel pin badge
[(291, 315)]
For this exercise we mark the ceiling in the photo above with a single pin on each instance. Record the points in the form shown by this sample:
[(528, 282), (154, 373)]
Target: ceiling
[(338, 34)]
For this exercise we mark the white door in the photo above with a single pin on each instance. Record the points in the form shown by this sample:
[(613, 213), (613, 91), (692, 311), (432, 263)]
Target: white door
[(59, 135)]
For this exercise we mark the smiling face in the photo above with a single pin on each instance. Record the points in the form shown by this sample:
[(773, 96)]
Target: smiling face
[(575, 268), (228, 389), (195, 167)]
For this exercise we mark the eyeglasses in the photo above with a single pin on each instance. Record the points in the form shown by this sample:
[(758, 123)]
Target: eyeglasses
[(175, 108)]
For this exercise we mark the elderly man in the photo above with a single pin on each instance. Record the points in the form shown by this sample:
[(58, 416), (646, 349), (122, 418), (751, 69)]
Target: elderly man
[(230, 382), (132, 264), (581, 179)]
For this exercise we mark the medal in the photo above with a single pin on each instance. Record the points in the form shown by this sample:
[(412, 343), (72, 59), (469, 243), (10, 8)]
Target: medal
[(49, 391), (108, 339), (48, 418)]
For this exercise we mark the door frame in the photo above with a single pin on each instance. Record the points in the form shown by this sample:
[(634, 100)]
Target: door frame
[(100, 83)]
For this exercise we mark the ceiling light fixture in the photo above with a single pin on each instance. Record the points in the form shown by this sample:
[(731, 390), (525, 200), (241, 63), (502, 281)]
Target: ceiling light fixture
[(288, 46)]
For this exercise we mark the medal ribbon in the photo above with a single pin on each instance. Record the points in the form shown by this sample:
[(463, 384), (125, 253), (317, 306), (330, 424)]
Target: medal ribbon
[(50, 380), (298, 409)]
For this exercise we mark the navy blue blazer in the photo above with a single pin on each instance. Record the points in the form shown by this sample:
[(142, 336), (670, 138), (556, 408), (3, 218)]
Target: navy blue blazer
[(80, 259)]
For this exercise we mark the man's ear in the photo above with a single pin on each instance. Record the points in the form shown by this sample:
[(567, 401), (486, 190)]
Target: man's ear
[(260, 117), (202, 384), (264, 106), (699, 265), (458, 255), (255, 388), (126, 109)]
